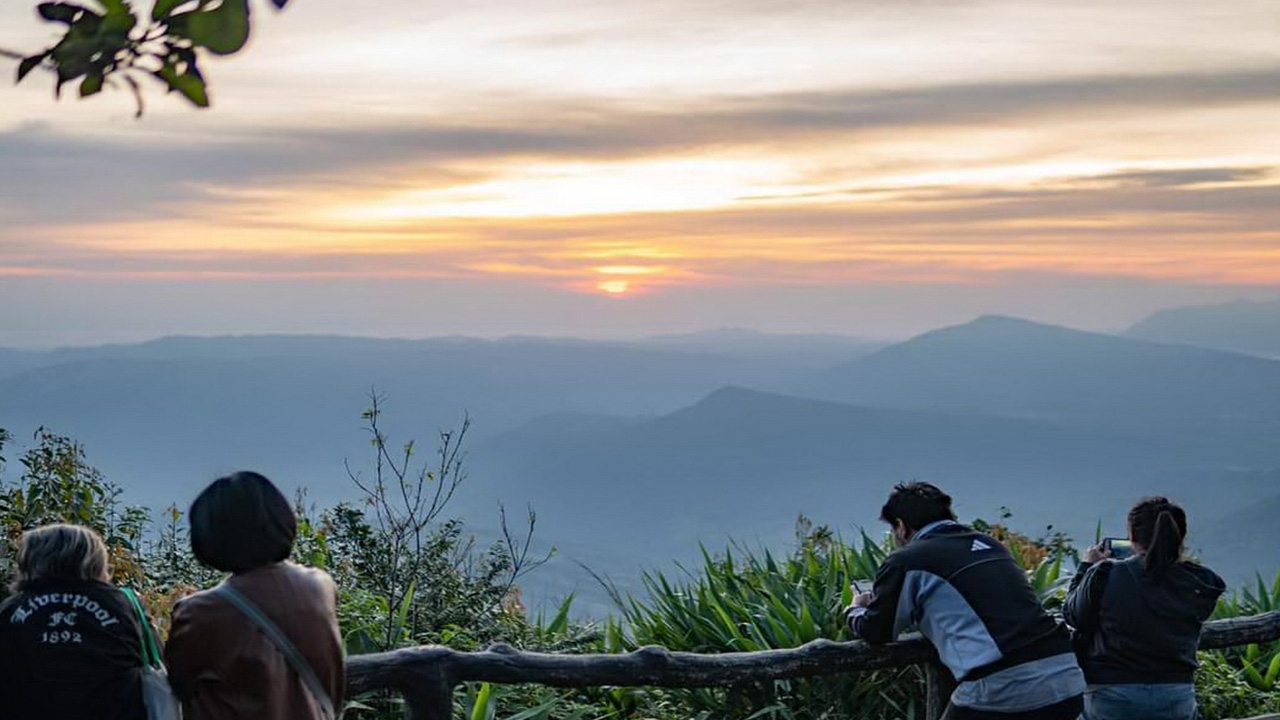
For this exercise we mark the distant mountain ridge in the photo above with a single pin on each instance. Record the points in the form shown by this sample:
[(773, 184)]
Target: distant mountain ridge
[(1003, 366), (633, 452), (806, 349), (771, 443), (165, 413), (1240, 326), (743, 342), (744, 464)]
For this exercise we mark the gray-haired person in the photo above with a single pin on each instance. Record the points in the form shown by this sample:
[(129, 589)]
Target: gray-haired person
[(70, 642)]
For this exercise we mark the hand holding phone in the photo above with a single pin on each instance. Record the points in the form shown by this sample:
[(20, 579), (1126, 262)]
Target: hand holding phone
[(861, 598), (1117, 548)]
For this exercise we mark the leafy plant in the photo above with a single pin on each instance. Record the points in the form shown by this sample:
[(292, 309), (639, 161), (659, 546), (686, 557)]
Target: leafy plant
[(109, 41), (1258, 665), (57, 484), (1223, 691), (436, 583), (747, 600)]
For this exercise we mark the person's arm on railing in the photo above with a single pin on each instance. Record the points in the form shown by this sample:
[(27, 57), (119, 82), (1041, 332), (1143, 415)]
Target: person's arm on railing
[(878, 616)]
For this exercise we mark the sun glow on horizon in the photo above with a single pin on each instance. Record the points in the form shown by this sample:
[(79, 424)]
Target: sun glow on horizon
[(557, 189), (614, 287)]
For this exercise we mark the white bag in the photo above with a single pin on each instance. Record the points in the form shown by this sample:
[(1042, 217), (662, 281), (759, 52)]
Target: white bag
[(157, 696)]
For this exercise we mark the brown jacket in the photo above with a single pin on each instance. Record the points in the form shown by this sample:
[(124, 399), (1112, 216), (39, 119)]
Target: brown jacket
[(223, 668)]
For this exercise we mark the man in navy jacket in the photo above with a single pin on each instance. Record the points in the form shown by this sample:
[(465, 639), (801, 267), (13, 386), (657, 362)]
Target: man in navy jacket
[(965, 593)]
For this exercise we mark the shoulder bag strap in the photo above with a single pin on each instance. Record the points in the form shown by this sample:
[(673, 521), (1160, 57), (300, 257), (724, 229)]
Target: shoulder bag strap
[(300, 665), (150, 648)]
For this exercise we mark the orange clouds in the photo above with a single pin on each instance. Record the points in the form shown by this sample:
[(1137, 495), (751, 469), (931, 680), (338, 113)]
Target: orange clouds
[(946, 204), (904, 242)]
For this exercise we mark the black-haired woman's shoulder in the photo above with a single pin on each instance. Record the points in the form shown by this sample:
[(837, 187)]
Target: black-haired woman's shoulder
[(1202, 580)]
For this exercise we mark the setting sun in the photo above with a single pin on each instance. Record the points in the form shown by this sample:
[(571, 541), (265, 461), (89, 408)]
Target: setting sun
[(614, 287)]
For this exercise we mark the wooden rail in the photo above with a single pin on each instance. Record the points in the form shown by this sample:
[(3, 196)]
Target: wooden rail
[(427, 676)]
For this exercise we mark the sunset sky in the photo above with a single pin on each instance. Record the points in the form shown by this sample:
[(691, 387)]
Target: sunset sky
[(611, 168)]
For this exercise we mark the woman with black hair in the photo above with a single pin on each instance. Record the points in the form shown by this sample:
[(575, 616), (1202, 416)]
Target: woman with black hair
[(264, 645), (1140, 619)]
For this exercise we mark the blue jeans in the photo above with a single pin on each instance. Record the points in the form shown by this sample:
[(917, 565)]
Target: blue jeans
[(1140, 702)]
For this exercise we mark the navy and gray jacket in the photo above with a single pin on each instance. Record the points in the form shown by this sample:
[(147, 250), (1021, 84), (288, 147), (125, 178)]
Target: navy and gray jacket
[(1138, 628), (967, 595)]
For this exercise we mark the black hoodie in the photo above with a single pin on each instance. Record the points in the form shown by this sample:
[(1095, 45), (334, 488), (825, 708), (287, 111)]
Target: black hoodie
[(70, 650), (1140, 628)]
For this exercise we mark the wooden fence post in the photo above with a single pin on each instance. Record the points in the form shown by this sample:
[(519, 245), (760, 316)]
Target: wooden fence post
[(429, 700), (939, 684)]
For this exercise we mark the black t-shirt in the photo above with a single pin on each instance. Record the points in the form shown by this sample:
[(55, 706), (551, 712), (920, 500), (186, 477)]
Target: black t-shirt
[(70, 650)]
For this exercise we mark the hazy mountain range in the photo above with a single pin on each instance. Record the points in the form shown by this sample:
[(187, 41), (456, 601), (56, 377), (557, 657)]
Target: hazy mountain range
[(1242, 326), (634, 452)]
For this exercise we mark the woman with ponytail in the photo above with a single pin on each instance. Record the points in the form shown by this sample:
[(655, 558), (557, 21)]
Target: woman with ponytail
[(1139, 619)]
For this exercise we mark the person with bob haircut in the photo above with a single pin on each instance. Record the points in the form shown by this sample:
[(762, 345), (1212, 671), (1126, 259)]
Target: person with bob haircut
[(225, 665), (968, 597), (70, 642), (1139, 619)]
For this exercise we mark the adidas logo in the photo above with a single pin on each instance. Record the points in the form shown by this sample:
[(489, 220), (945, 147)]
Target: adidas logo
[(979, 546)]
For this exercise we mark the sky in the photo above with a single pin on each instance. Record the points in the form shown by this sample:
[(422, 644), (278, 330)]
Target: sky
[(606, 168)]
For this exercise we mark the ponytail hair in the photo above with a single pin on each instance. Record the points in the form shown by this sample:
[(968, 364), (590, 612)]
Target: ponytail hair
[(1160, 527)]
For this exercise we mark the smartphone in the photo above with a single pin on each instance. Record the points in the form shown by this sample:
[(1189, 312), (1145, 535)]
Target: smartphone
[(1117, 548)]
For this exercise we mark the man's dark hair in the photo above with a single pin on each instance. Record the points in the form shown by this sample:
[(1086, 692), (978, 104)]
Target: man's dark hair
[(241, 522), (916, 504)]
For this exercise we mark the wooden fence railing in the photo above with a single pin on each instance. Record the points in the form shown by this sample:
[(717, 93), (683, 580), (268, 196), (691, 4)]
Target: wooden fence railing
[(427, 676)]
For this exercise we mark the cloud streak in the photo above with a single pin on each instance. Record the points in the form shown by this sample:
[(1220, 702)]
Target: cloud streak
[(46, 176), (1162, 224)]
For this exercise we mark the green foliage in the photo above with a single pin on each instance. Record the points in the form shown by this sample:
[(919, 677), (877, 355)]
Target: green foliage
[(170, 566), (110, 40), (409, 575), (4, 439), (485, 701), (746, 600), (1224, 692), (1258, 666), (423, 578), (57, 485)]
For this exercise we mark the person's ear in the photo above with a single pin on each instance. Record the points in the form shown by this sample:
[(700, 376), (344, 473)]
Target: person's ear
[(901, 531)]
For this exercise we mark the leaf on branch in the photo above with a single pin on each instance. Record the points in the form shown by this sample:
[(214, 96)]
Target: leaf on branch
[(222, 31), (60, 12), (189, 84), (29, 64), (91, 85), (83, 49), (164, 8), (72, 60), (119, 21)]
